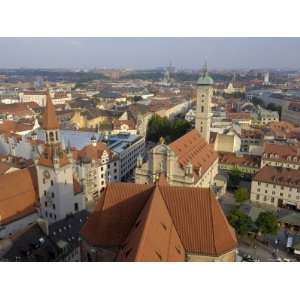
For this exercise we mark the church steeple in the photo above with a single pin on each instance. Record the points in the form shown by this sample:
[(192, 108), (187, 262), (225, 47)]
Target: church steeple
[(50, 123), (203, 108), (49, 118)]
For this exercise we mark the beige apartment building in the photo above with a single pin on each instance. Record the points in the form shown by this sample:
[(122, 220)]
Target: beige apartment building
[(276, 186)]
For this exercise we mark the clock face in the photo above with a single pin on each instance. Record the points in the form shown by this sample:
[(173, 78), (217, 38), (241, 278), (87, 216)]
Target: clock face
[(46, 174)]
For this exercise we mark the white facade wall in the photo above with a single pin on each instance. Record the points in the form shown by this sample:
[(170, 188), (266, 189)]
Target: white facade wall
[(57, 193), (272, 194)]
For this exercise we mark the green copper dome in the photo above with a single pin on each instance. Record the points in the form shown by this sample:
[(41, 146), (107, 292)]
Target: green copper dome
[(204, 78)]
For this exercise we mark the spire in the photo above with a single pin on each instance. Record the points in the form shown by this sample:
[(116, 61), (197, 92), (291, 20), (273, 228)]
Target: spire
[(49, 117), (205, 69), (204, 78)]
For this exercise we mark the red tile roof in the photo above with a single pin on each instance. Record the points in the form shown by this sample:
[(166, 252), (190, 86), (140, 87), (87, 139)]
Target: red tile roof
[(282, 152), (193, 148), (17, 109), (279, 176), (243, 161), (19, 194), (159, 223), (15, 127), (93, 152), (118, 123)]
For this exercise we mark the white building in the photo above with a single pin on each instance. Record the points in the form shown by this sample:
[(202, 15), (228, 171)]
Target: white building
[(128, 147), (96, 165), (40, 97), (60, 193), (276, 186)]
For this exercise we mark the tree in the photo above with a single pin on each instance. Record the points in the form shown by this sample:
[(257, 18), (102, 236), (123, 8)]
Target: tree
[(241, 195), (234, 179), (179, 128), (241, 222), (163, 127), (267, 223)]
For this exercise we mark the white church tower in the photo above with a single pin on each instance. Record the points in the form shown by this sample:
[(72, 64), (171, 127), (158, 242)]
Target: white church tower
[(203, 107), (59, 197)]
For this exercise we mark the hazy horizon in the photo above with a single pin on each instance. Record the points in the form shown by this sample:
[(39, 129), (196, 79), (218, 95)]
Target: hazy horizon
[(148, 53)]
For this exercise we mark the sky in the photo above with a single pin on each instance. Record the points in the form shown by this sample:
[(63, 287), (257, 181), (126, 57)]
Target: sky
[(143, 53)]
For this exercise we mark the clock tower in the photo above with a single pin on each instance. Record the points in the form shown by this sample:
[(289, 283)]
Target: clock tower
[(57, 194)]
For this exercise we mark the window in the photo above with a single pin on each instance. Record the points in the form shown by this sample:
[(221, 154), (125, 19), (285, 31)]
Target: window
[(51, 135), (272, 199), (45, 193), (46, 203), (53, 206), (257, 197), (52, 195), (265, 198), (76, 206), (56, 135), (258, 190), (259, 183), (281, 194), (202, 108), (52, 182), (44, 180)]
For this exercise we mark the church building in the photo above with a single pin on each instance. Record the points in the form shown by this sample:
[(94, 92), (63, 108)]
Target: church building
[(190, 160)]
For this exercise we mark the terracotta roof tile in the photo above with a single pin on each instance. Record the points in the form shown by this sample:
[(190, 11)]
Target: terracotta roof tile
[(279, 176), (193, 148), (153, 237), (49, 117), (159, 222), (18, 199), (93, 152)]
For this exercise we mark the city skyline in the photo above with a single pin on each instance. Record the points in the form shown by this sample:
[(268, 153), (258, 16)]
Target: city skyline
[(147, 53)]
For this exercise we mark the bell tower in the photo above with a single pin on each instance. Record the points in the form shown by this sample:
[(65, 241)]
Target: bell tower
[(203, 106), (55, 173)]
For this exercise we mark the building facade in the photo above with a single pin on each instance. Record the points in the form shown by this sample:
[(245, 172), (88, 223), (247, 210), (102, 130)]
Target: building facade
[(59, 192), (277, 187)]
